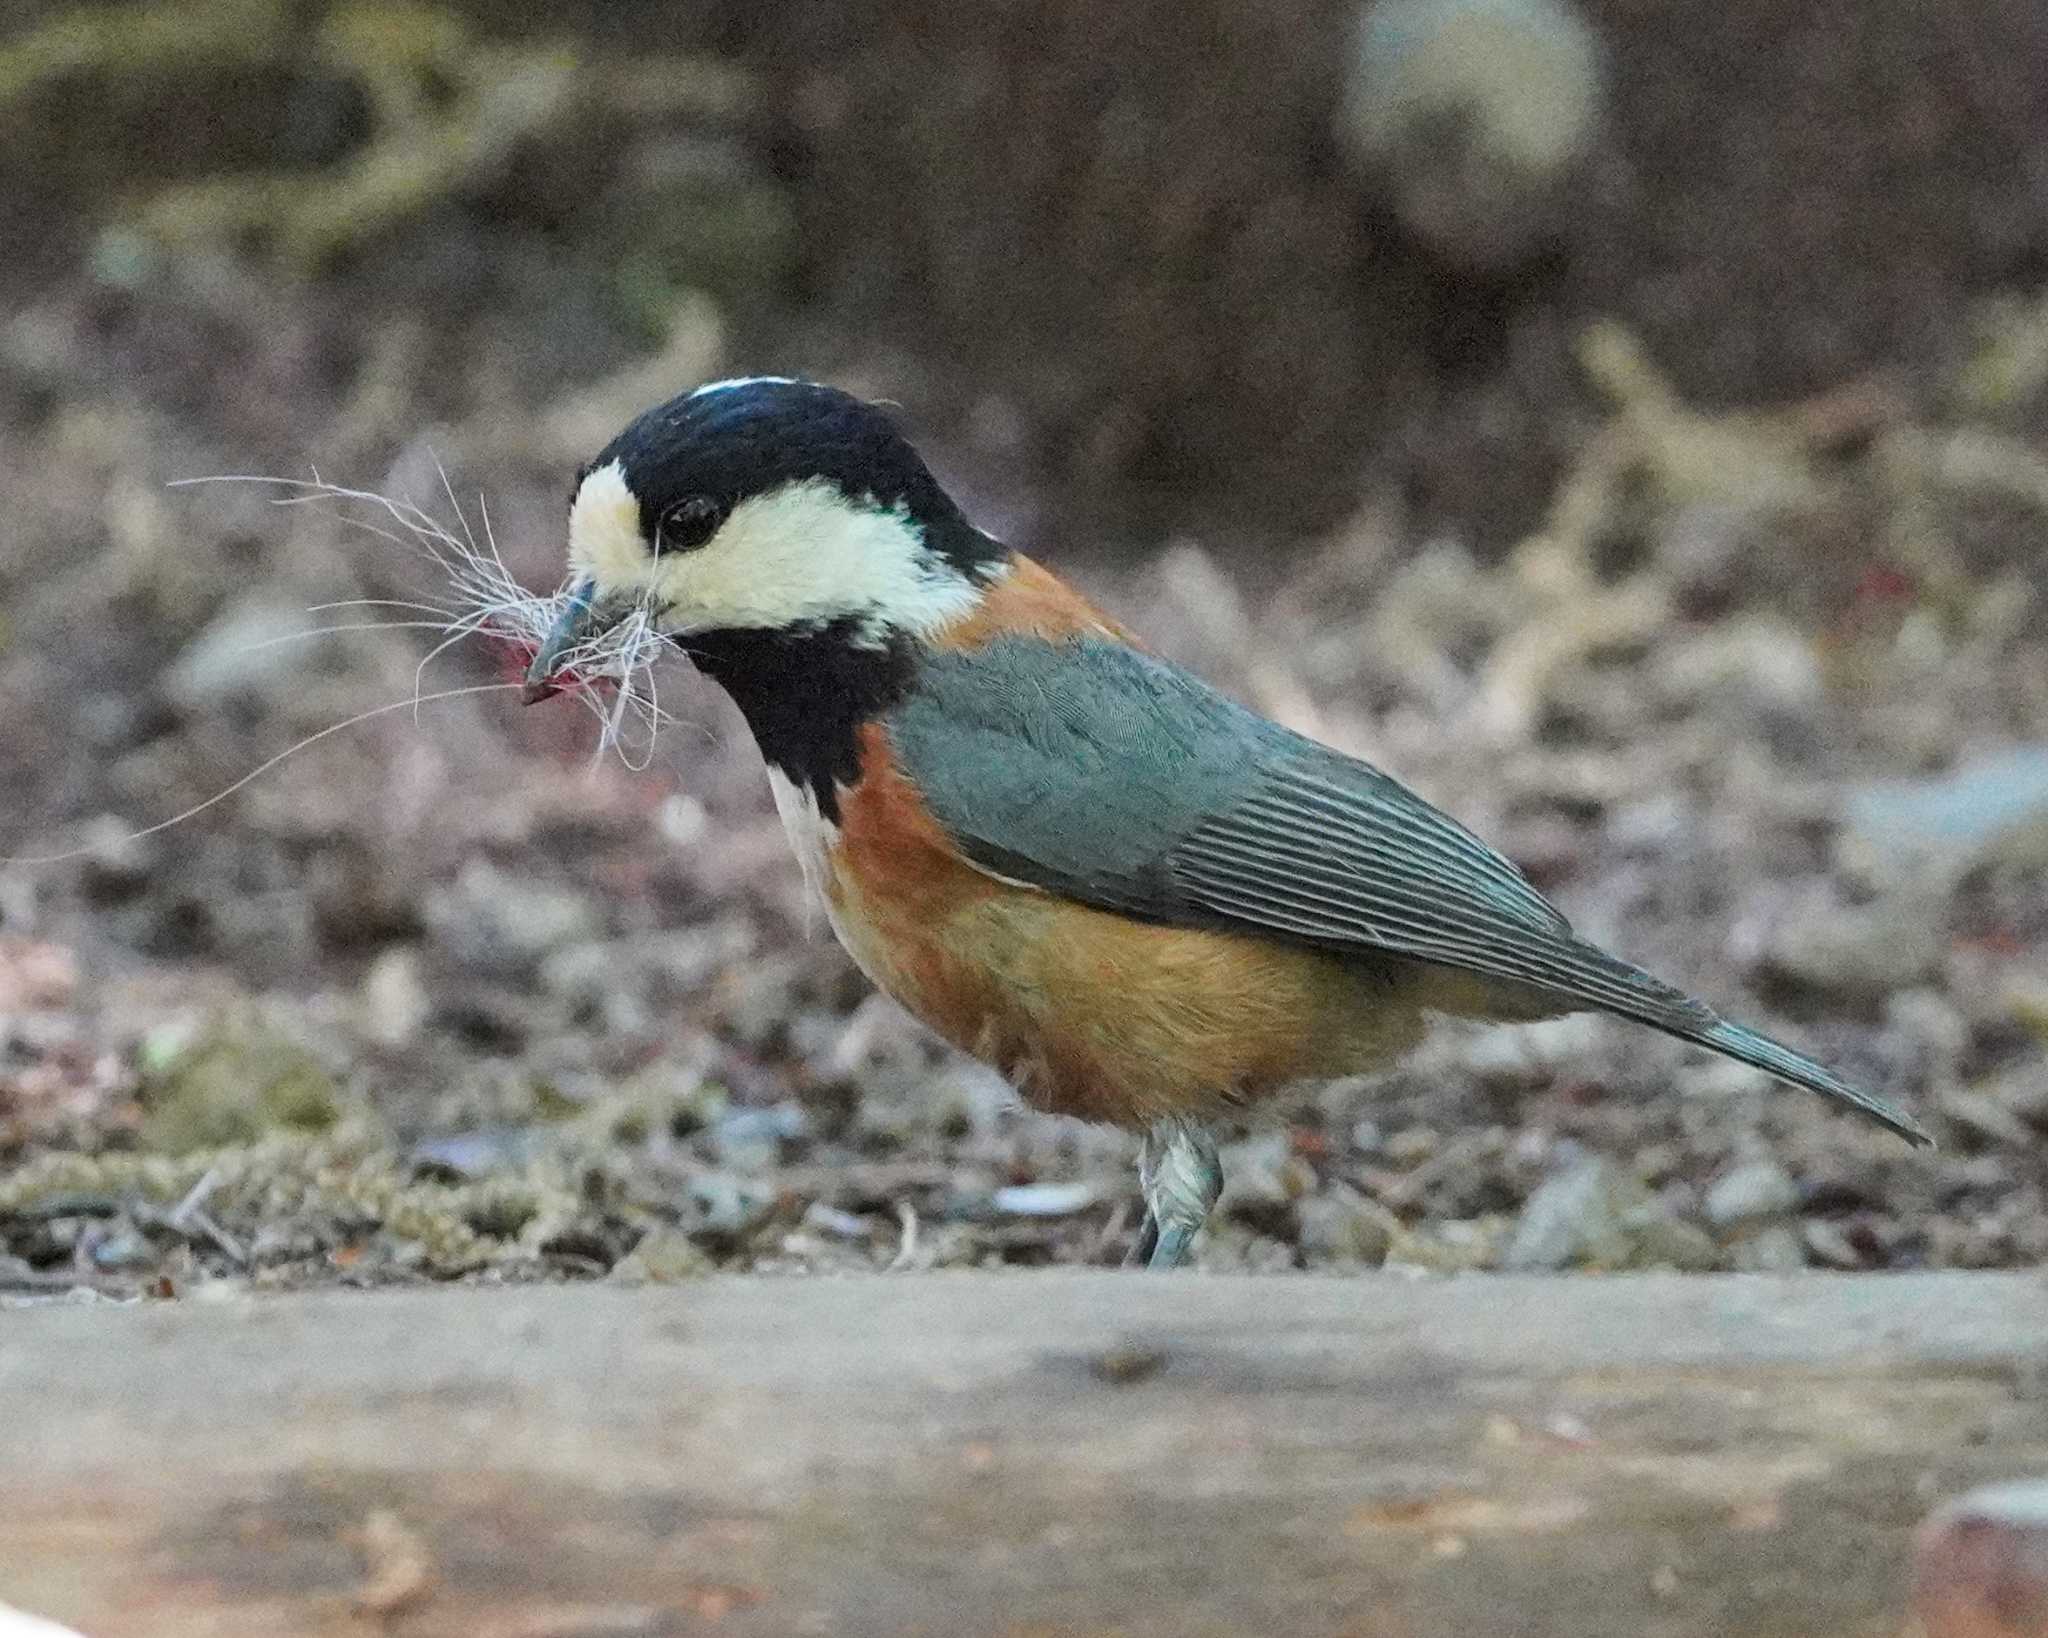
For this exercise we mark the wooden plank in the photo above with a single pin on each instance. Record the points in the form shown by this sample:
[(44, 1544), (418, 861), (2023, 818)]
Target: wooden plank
[(1071, 1453)]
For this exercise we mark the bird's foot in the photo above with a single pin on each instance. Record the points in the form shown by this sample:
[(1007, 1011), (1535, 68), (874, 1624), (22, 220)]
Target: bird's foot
[(1181, 1175)]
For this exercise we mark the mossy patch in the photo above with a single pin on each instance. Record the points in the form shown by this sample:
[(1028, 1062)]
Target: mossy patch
[(232, 1081)]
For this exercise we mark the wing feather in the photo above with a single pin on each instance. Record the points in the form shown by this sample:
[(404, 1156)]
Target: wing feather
[(1346, 876)]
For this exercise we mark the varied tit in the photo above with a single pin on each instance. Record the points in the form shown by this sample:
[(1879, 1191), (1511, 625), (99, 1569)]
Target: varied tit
[(1139, 901)]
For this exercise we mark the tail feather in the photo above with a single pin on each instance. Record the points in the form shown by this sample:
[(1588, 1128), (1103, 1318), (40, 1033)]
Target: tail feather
[(1651, 1001), (1775, 1058)]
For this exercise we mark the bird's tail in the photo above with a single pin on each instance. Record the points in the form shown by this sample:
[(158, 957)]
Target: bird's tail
[(1775, 1058), (1598, 979)]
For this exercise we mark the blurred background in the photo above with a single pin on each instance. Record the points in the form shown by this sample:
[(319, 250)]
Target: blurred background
[(1626, 420)]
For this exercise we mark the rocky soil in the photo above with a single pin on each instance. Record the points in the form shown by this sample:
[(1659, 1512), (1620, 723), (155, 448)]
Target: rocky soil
[(1762, 702), (1765, 707)]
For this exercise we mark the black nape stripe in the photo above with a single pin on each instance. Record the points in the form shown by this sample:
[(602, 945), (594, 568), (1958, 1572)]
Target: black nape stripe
[(805, 692)]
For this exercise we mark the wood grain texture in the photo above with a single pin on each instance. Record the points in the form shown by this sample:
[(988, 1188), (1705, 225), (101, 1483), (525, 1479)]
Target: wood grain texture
[(959, 1455)]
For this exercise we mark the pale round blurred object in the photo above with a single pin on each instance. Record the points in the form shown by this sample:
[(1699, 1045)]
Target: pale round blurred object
[(1981, 1564), (1474, 118)]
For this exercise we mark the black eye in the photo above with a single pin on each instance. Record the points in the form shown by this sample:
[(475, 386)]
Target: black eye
[(687, 525)]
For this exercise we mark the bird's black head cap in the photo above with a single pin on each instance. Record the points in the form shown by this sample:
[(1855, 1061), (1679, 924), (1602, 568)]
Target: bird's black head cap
[(733, 440)]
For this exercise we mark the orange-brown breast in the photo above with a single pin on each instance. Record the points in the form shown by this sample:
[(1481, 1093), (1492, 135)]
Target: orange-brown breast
[(1086, 1011)]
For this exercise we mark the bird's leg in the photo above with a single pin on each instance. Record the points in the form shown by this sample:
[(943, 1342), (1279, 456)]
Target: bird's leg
[(1180, 1175)]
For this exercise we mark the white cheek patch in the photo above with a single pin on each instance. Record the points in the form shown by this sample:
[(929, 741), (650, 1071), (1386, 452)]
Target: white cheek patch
[(805, 552), (605, 543)]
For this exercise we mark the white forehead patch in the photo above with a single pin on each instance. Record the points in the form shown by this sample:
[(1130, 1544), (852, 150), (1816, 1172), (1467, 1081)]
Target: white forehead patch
[(805, 552), (745, 381), (605, 542)]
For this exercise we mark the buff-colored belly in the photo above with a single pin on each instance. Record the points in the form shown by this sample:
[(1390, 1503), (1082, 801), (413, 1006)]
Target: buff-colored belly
[(1092, 1014)]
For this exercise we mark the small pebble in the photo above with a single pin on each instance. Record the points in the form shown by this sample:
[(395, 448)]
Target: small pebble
[(1748, 1193), (1828, 1245), (830, 1220), (1345, 1227), (662, 1257), (118, 863), (252, 647), (394, 1001), (1776, 1248), (1864, 953), (1595, 1215), (729, 1205), (1957, 817), (1045, 1199), (506, 925)]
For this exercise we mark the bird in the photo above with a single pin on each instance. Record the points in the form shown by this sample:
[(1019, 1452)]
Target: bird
[(1138, 900)]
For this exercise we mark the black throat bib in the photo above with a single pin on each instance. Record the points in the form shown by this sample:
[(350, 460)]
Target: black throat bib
[(806, 692)]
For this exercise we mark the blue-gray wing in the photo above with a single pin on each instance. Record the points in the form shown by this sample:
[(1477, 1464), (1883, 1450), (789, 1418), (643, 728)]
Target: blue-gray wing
[(1091, 770)]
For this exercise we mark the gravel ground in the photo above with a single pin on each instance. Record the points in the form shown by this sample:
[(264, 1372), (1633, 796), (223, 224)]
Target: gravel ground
[(1764, 706), (1761, 700)]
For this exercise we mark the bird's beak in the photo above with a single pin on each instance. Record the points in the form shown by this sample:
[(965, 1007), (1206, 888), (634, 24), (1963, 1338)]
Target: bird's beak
[(581, 619)]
